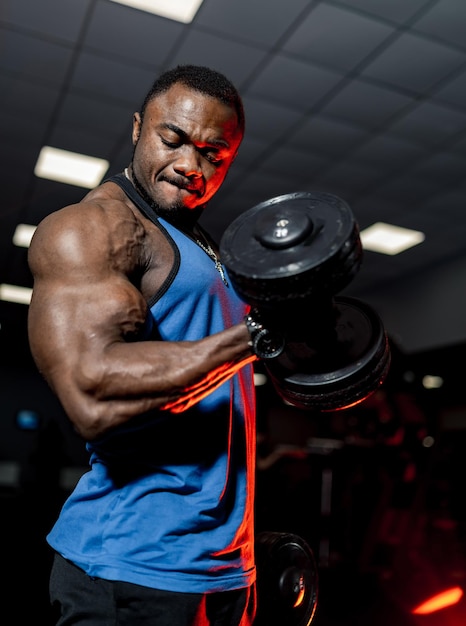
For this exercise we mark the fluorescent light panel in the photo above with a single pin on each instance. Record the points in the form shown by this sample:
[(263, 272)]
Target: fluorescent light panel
[(429, 381), (259, 379), (70, 167), (389, 239), (178, 10), (23, 235), (14, 293)]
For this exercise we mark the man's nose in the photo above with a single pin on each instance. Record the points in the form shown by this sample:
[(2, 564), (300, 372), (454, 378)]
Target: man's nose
[(188, 162)]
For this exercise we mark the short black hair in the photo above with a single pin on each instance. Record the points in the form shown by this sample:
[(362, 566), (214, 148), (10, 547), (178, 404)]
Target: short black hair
[(202, 79)]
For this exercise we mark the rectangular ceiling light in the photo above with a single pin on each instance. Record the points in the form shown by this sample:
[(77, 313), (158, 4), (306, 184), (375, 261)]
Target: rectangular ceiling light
[(14, 293), (70, 167), (179, 10), (23, 235), (389, 239)]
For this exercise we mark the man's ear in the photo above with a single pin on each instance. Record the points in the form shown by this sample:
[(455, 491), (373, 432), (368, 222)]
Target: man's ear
[(137, 122)]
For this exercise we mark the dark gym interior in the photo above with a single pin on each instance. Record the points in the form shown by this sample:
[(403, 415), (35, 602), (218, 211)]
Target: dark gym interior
[(364, 99)]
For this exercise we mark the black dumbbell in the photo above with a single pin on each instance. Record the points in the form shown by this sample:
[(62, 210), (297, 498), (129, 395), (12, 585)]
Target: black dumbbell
[(288, 257)]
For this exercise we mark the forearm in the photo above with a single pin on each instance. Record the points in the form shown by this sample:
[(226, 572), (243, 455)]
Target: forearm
[(110, 387)]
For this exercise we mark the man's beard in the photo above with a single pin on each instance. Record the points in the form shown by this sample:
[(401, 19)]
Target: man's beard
[(177, 214)]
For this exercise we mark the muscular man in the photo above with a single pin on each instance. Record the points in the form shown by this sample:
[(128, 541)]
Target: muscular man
[(135, 326)]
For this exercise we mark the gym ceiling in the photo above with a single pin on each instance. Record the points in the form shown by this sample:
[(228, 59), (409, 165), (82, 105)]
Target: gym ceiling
[(364, 99)]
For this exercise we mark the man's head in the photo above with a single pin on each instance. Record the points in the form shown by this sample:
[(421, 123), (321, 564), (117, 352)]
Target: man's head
[(185, 138)]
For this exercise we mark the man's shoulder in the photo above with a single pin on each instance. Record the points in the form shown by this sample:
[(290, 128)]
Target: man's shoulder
[(94, 219), (106, 197)]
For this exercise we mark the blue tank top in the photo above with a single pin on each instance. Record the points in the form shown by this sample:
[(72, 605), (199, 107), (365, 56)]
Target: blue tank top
[(168, 500)]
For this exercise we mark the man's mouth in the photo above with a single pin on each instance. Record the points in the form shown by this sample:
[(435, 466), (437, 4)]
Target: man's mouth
[(183, 185)]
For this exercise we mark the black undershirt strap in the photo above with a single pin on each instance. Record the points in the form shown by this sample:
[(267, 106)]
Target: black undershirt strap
[(131, 192), (141, 204)]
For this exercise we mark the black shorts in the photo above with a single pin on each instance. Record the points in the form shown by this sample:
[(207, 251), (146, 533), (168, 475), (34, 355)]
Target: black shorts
[(79, 600)]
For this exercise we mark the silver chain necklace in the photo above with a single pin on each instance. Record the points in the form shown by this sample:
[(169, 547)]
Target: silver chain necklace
[(210, 252)]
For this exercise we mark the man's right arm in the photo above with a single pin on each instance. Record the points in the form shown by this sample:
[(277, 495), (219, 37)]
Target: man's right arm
[(84, 320)]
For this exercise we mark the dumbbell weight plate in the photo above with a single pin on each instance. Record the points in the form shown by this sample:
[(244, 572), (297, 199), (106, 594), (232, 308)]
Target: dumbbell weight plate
[(291, 247), (287, 580), (340, 373)]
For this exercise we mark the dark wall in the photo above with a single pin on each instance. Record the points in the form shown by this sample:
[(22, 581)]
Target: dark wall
[(426, 313)]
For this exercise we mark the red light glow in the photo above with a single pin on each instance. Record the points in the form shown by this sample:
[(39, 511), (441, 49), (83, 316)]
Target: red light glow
[(302, 592), (439, 601)]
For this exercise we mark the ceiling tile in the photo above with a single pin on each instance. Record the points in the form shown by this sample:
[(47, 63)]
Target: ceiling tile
[(453, 92), (135, 36), (21, 133), (393, 153), (430, 124), (233, 59), (76, 140), (50, 18), (32, 58), (450, 204), (250, 149), (15, 180), (91, 115), (327, 136), (414, 63), (267, 120), (336, 38), (260, 22), (300, 165), (371, 207), (458, 143), (367, 105), (302, 86), (263, 186), (445, 20), (396, 10), (411, 190), (18, 93), (444, 167), (350, 175), (95, 75)]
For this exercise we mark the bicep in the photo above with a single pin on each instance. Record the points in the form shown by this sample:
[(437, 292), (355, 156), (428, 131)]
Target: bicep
[(71, 324), (82, 295)]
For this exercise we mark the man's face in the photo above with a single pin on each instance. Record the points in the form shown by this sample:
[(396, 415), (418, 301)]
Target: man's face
[(184, 147)]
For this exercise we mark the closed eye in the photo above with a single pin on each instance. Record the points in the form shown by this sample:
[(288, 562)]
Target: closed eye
[(171, 144), (211, 155), (208, 152)]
